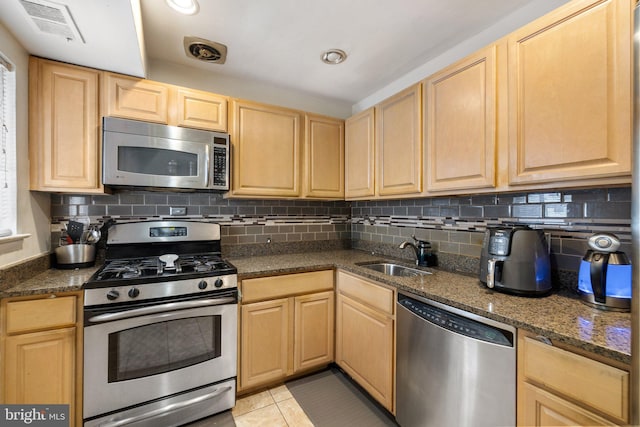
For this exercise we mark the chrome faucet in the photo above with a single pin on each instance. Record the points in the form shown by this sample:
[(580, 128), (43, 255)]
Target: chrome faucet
[(424, 256)]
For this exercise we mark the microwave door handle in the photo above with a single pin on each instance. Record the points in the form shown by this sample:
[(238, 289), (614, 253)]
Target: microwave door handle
[(166, 409), (208, 165), (162, 308)]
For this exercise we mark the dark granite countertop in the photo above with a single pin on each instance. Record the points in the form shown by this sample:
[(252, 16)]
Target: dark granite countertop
[(50, 281), (559, 317)]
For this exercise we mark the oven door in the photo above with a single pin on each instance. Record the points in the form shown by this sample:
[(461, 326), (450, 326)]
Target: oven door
[(137, 160), (134, 356)]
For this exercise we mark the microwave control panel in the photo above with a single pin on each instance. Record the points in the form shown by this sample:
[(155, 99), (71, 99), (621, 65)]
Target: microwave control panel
[(220, 167)]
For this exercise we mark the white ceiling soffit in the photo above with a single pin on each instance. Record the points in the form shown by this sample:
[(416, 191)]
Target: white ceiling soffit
[(281, 41), (103, 34), (273, 43)]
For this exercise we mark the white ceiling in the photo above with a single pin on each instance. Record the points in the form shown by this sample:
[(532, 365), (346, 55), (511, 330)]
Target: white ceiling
[(277, 42)]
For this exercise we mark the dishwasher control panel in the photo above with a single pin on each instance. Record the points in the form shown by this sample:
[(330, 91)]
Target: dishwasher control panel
[(456, 323)]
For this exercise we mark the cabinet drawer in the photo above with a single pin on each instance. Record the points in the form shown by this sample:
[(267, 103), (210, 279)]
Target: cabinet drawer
[(31, 315), (376, 296), (264, 288), (593, 383)]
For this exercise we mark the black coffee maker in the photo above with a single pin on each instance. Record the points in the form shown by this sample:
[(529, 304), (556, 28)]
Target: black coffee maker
[(516, 260)]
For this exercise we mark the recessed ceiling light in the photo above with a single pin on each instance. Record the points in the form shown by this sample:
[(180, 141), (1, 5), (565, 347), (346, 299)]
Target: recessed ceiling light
[(186, 7), (333, 56)]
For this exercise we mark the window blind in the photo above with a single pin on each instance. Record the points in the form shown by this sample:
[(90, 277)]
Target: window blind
[(8, 174)]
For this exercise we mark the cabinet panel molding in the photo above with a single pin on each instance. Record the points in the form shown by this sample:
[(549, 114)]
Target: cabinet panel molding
[(364, 347), (570, 94), (399, 143), (64, 131), (266, 144), (323, 157), (360, 155), (314, 336), (270, 287), (138, 99), (460, 125), (265, 341), (360, 289), (602, 387), (545, 409), (200, 110), (31, 315)]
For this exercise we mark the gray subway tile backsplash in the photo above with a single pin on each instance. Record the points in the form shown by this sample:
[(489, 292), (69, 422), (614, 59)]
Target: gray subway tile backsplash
[(527, 211), (454, 225), (608, 210)]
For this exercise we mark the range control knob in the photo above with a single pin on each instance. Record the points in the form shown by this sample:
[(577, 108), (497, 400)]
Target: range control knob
[(134, 292), (113, 294), (218, 283), (203, 285)]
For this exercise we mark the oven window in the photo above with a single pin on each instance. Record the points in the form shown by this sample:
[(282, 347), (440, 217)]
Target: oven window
[(163, 347)]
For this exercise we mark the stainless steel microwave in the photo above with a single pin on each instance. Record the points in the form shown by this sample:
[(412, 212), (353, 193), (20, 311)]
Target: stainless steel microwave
[(141, 154)]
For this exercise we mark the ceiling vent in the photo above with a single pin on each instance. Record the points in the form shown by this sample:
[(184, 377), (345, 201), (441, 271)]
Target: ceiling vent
[(52, 18), (205, 50)]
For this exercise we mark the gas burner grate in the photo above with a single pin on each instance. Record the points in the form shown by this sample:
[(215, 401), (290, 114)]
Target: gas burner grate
[(154, 267)]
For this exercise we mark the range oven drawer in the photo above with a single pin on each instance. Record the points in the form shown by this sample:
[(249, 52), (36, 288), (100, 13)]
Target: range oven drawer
[(134, 360)]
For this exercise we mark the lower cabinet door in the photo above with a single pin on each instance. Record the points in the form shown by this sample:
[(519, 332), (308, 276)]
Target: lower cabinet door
[(265, 342), (541, 408), (313, 343), (364, 348), (40, 368)]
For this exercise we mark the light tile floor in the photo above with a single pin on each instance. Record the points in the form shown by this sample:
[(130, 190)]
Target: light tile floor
[(273, 408)]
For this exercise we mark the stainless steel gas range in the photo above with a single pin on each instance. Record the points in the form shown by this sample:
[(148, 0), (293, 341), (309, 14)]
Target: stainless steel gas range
[(160, 327)]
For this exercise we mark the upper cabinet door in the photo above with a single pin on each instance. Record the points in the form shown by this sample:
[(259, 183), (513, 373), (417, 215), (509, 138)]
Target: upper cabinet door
[(266, 143), (399, 143), (324, 157), (360, 155), (570, 94), (460, 124), (64, 131), (200, 110), (133, 98)]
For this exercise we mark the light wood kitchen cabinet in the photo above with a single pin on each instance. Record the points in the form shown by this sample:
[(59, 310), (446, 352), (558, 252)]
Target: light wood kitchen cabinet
[(365, 324), (460, 126), (134, 98), (64, 128), (267, 142), (42, 356), (323, 157), (569, 94), (199, 110), (398, 139), (286, 326), (140, 99), (313, 330), (265, 342), (557, 386), (360, 155)]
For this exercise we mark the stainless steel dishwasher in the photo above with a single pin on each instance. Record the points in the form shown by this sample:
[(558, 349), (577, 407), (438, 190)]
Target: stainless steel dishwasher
[(453, 368)]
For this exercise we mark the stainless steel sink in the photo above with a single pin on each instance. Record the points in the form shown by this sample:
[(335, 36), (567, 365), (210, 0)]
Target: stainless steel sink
[(395, 269)]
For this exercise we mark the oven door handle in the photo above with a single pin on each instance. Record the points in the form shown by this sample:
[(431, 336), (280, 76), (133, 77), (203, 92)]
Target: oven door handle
[(166, 409), (162, 308)]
